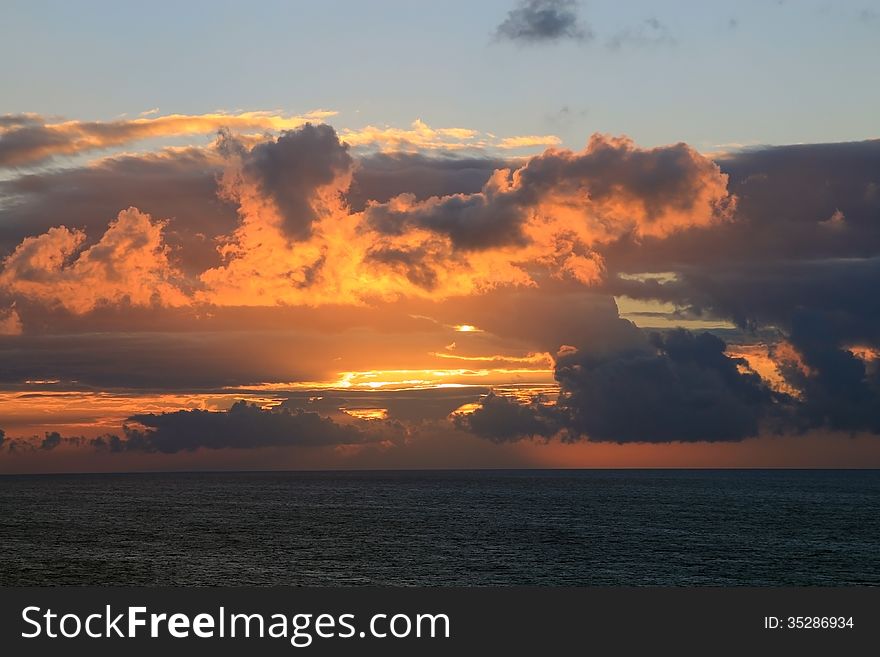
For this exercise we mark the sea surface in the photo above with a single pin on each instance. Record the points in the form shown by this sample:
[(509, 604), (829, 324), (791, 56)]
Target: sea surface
[(474, 528)]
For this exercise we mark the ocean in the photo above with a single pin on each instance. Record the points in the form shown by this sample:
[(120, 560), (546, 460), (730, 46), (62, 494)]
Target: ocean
[(427, 528)]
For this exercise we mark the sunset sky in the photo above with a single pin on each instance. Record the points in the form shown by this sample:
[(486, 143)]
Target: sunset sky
[(433, 235)]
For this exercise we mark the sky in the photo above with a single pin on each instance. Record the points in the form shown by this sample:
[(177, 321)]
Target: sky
[(537, 233)]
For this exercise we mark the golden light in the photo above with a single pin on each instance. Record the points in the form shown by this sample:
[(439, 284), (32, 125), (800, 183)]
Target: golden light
[(366, 413), (467, 328)]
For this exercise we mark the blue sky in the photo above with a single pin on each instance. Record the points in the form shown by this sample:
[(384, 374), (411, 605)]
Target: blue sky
[(715, 73)]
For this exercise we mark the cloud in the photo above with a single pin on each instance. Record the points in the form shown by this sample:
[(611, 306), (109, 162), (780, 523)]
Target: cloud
[(677, 387), (382, 176), (128, 264), (29, 139), (296, 241), (527, 141), (527, 249), (421, 137), (243, 426), (801, 260), (293, 169), (501, 419), (783, 193), (543, 21), (180, 185), (177, 184), (549, 212), (839, 389), (821, 309), (413, 263), (10, 322), (51, 441), (609, 189)]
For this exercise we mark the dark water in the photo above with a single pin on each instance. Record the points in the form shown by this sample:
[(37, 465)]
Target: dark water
[(443, 528)]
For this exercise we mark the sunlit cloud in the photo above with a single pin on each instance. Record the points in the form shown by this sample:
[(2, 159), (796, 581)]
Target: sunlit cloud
[(130, 263), (420, 136), (32, 140), (10, 322), (535, 359)]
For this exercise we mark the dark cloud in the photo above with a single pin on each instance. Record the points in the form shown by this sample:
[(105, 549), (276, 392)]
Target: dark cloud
[(485, 220), (786, 196), (412, 263), (51, 441), (243, 426), (823, 308), (839, 390), (805, 238), (659, 178), (545, 318), (676, 387), (685, 389), (802, 257), (27, 143), (542, 21), (382, 176), (15, 120), (500, 419), (291, 168)]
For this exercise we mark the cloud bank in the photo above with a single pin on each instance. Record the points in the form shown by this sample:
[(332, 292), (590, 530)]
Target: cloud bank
[(300, 257)]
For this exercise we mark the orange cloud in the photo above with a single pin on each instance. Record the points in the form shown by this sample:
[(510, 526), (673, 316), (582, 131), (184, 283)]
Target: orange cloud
[(10, 322), (33, 140), (297, 243), (422, 137), (128, 264)]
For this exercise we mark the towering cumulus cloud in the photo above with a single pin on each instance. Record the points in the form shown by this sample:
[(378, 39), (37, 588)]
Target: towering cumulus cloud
[(129, 264), (298, 242), (293, 169), (609, 189), (559, 208)]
